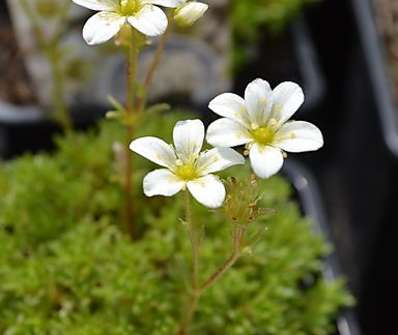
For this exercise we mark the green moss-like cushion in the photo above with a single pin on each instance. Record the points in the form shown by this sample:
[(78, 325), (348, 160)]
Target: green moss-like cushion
[(67, 267)]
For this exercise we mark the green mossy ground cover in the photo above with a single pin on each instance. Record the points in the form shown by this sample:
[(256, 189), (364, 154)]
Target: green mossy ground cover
[(67, 267)]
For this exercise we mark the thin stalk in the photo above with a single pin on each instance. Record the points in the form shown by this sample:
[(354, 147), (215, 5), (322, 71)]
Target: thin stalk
[(58, 90), (235, 255), (198, 291), (141, 99), (62, 21), (187, 321), (61, 108), (194, 236), (132, 61)]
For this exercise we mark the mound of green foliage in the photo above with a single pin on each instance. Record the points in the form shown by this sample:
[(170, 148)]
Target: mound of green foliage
[(67, 267), (249, 19)]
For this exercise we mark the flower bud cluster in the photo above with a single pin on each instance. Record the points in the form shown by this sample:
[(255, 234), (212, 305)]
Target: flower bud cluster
[(241, 204)]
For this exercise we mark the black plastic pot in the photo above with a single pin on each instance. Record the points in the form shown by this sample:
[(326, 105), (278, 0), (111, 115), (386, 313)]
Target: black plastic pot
[(29, 129), (374, 52), (309, 197), (287, 56)]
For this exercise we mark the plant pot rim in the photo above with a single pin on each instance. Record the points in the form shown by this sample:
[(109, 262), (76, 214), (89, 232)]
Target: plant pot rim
[(312, 78), (32, 115), (15, 114), (378, 70)]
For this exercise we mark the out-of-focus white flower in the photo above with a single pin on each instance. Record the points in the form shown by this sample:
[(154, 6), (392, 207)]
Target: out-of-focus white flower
[(260, 121), (143, 15), (185, 165), (189, 12)]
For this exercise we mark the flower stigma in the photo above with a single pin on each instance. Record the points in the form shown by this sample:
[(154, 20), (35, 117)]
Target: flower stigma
[(186, 172), (263, 135), (129, 7)]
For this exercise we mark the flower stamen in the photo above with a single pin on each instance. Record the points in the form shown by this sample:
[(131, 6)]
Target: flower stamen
[(263, 135), (186, 172), (129, 7)]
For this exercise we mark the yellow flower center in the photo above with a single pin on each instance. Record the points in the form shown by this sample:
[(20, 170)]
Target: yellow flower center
[(186, 172), (129, 7), (263, 135)]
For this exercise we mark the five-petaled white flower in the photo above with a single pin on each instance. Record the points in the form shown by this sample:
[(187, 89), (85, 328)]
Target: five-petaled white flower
[(189, 12), (260, 121), (143, 15), (185, 165)]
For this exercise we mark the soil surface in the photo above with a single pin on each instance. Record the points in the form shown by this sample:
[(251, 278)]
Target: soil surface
[(387, 22), (15, 86)]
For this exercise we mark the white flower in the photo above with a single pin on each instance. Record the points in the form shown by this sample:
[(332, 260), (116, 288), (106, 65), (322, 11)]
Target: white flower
[(189, 12), (113, 14), (185, 165), (260, 121)]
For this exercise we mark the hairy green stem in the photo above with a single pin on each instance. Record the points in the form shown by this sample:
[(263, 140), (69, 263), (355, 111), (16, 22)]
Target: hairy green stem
[(235, 255), (141, 99), (194, 236), (62, 115), (199, 290), (190, 313), (132, 63)]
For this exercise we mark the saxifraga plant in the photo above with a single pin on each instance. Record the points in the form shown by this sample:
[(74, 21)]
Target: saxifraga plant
[(66, 267), (236, 230)]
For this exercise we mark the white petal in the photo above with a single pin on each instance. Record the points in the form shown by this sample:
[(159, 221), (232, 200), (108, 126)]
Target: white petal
[(218, 159), (101, 27), (165, 3), (155, 150), (265, 160), (162, 182), (150, 21), (299, 136), (107, 5), (188, 139), (231, 106), (287, 98), (258, 97), (208, 190), (227, 133), (189, 13)]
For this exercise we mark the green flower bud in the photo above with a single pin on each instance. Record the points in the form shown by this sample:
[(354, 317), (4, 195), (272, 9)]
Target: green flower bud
[(241, 202), (187, 14)]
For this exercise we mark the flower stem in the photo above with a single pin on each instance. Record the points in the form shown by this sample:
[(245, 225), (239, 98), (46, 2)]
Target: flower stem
[(132, 61), (62, 115), (235, 255), (192, 307), (141, 99), (198, 291), (194, 236)]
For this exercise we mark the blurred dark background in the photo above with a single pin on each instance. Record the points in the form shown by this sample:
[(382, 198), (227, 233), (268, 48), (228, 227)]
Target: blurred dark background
[(357, 172)]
